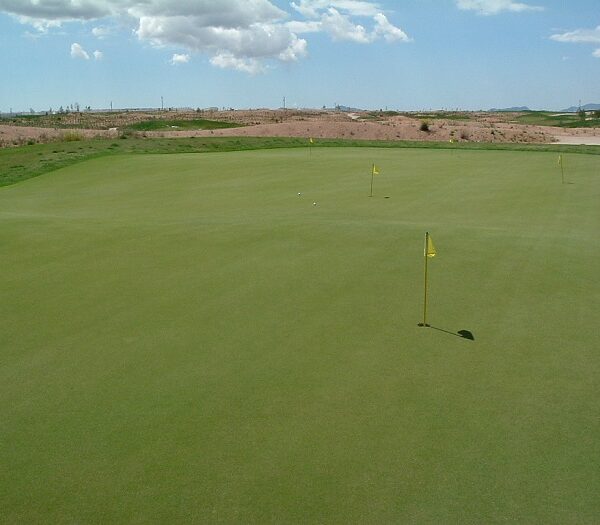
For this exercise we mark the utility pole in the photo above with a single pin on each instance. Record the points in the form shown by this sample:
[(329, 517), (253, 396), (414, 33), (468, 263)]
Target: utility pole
[(283, 103), (162, 103)]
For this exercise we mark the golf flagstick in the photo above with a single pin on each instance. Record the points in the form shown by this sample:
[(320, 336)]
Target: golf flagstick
[(562, 168), (374, 172), (428, 252)]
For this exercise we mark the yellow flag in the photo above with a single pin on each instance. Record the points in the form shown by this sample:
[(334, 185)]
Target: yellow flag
[(311, 140), (560, 160), (429, 247), (375, 170)]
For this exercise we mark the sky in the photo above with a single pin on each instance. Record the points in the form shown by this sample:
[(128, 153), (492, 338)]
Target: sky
[(380, 54)]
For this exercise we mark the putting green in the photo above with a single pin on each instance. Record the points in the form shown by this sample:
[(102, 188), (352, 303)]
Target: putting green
[(185, 338)]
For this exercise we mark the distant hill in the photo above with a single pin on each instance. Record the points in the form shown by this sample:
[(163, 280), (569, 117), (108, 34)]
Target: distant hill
[(513, 109), (587, 107), (347, 108), (572, 109)]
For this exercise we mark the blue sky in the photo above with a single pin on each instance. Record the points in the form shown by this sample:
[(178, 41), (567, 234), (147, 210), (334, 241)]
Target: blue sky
[(399, 54)]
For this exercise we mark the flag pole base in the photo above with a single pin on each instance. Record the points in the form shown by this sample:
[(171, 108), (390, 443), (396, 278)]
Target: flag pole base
[(424, 324)]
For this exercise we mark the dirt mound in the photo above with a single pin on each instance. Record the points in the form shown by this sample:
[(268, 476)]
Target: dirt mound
[(462, 127)]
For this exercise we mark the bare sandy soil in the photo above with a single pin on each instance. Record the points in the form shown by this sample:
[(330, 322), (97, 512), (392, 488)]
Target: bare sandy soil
[(588, 140), (21, 135), (471, 127)]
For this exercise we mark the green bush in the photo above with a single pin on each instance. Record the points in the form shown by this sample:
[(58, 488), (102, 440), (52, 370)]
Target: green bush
[(72, 136)]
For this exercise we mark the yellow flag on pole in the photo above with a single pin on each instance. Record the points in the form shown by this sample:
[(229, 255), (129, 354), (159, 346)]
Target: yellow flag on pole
[(560, 160), (429, 252), (429, 247), (311, 140), (375, 170)]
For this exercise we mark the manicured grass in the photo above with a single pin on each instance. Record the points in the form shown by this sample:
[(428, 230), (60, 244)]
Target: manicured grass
[(19, 164), (168, 125), (106, 120), (186, 339), (447, 115), (562, 120)]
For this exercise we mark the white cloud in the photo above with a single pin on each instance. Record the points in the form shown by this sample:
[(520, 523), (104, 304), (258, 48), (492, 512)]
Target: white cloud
[(98, 55), (312, 8), (221, 13), (340, 27), (180, 59), (78, 52), (299, 27), (229, 61), (494, 7), (337, 19), (258, 40), (59, 10), (296, 50), (579, 36), (42, 26), (245, 35), (101, 32), (388, 31)]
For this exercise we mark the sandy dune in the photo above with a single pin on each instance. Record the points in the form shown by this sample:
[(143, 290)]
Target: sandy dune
[(471, 127)]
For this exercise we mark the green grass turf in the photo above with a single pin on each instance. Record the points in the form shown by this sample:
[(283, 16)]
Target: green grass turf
[(21, 163), (562, 120), (185, 339), (163, 125)]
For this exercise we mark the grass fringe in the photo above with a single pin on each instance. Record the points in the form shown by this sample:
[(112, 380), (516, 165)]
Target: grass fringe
[(21, 163)]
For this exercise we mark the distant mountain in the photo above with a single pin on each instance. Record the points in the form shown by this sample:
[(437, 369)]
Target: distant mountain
[(513, 109), (587, 107)]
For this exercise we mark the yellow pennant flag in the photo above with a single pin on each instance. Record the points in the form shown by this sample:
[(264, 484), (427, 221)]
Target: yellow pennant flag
[(560, 160), (311, 140), (375, 170), (429, 247)]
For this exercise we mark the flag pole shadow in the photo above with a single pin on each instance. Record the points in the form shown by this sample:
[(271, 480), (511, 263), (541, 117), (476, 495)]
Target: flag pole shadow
[(463, 334)]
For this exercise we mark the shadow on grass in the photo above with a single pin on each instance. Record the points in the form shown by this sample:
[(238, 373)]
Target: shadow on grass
[(463, 334)]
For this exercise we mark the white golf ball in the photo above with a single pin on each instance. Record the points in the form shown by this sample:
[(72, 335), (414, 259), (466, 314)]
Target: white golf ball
[(314, 203)]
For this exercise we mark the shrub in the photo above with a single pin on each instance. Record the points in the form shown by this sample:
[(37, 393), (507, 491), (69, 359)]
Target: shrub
[(126, 134), (72, 136), (424, 126)]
